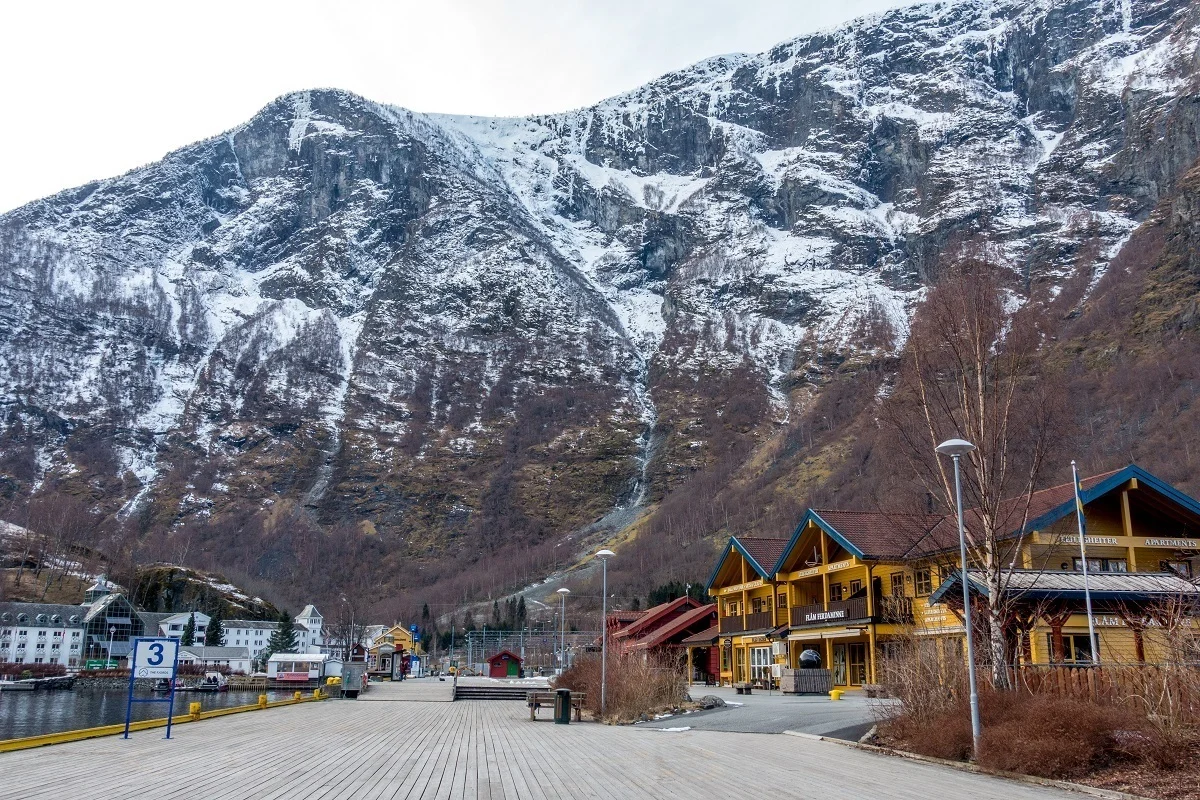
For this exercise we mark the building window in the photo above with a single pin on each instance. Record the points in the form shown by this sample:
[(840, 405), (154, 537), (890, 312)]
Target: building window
[(855, 587), (835, 592), (1183, 568), (1100, 564), (924, 582), (760, 664), (781, 600), (897, 584), (1077, 648)]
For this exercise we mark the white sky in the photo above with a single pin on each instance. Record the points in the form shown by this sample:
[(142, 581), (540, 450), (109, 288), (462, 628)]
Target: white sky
[(93, 89)]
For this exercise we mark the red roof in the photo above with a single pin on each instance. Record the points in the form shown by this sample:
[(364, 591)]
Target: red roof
[(654, 615), (765, 551), (700, 615), (706, 636), (498, 656)]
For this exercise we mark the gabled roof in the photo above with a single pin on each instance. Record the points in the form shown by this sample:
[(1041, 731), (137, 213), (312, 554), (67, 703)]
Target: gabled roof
[(760, 553), (250, 624), (503, 653), (65, 614), (653, 615), (866, 534), (699, 615)]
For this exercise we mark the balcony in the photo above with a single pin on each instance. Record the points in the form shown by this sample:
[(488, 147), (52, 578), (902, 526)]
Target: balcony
[(887, 609), (838, 611), (751, 622)]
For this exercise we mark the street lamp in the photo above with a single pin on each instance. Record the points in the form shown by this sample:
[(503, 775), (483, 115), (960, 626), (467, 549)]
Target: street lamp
[(353, 642), (108, 655), (956, 449), (604, 555), (562, 652)]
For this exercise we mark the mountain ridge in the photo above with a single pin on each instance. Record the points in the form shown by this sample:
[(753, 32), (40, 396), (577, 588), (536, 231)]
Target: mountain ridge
[(449, 337)]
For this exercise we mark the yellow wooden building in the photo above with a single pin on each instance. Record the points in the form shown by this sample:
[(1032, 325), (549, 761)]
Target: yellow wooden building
[(397, 641), (849, 583)]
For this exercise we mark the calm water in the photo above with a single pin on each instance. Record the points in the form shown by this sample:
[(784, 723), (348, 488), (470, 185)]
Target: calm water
[(35, 713)]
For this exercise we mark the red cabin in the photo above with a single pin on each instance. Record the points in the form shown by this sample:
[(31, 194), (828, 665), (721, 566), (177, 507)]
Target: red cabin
[(505, 664)]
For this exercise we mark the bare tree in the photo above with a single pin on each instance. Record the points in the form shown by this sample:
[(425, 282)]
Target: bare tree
[(972, 371)]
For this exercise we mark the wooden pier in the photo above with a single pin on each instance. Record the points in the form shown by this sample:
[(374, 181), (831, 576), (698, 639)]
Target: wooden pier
[(467, 749)]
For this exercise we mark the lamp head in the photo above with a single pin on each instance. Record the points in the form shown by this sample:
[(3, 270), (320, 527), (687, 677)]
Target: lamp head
[(955, 447), (605, 553), (564, 591)]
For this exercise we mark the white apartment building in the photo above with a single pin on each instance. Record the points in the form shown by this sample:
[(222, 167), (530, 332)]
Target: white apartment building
[(173, 625), (249, 633), (41, 633)]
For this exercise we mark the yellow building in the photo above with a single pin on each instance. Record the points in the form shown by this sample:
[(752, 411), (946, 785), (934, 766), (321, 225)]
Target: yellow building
[(847, 583), (394, 643)]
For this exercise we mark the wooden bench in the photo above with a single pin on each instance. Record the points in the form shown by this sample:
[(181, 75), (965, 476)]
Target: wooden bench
[(744, 688), (535, 700)]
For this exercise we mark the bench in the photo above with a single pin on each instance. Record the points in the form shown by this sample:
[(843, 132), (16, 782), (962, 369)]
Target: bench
[(744, 688), (535, 700)]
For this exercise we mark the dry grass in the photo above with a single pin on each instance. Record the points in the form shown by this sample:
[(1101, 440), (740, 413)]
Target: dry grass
[(637, 686)]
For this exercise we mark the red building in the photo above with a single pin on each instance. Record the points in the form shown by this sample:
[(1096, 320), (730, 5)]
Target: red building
[(505, 664)]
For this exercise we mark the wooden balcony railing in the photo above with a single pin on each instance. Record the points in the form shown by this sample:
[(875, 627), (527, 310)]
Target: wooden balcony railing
[(750, 622), (839, 611)]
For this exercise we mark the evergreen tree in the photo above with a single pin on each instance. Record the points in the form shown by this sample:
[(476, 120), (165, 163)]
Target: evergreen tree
[(522, 613), (214, 634), (283, 638), (496, 621), (189, 632)]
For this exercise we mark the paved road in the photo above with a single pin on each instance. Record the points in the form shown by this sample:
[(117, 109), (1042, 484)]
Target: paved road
[(468, 749), (848, 718)]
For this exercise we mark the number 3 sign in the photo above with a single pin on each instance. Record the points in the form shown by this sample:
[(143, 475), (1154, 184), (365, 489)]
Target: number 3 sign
[(155, 658)]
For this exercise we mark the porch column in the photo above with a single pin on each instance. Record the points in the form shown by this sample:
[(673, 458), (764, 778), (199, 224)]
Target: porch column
[(690, 673), (871, 652)]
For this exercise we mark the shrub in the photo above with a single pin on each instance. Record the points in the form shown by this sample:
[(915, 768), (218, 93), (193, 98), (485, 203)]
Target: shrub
[(1053, 737), (637, 685)]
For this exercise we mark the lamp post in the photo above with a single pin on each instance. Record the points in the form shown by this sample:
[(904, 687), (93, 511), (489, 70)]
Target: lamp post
[(956, 449), (108, 654), (562, 652), (352, 641), (604, 555)]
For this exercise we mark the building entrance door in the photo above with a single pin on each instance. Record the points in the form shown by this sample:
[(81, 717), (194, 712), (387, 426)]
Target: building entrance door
[(858, 663), (839, 665)]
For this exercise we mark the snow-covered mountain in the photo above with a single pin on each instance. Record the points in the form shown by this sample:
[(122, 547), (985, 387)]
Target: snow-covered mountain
[(460, 332)]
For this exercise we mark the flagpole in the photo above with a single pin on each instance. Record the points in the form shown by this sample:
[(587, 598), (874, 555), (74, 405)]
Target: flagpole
[(1087, 592)]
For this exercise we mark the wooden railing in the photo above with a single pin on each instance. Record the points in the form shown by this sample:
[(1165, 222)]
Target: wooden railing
[(838, 611), (751, 622)]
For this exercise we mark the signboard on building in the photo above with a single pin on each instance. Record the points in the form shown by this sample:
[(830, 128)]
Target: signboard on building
[(1178, 544), (821, 616)]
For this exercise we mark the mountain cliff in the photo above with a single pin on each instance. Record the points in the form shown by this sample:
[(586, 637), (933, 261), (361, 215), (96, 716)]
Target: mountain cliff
[(419, 341)]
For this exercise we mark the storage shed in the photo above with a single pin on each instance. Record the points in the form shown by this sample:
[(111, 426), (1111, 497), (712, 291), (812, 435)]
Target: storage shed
[(505, 664)]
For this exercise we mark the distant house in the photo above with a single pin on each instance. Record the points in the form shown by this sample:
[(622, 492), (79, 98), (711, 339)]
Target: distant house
[(388, 648), (110, 623), (237, 659)]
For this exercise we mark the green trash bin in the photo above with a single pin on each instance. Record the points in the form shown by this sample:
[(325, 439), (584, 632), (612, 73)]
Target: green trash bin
[(562, 707)]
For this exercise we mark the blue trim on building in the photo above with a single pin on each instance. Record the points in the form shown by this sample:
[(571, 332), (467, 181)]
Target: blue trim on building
[(734, 544)]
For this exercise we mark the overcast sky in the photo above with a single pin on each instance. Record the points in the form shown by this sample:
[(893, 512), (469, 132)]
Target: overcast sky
[(92, 89)]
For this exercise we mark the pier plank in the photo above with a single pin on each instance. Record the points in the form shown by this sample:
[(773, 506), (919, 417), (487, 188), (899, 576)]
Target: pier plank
[(466, 749)]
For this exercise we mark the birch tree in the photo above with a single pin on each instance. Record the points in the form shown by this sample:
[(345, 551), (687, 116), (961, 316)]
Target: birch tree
[(972, 370)]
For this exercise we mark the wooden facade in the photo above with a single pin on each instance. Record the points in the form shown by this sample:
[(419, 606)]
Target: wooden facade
[(847, 583)]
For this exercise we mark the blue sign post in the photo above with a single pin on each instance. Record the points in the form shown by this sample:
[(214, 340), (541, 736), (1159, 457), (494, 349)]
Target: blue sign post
[(152, 657)]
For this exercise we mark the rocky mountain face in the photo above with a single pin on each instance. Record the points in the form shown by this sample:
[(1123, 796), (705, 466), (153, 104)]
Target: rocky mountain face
[(449, 339)]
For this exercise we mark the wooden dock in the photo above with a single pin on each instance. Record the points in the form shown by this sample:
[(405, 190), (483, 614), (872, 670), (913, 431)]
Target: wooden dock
[(469, 749)]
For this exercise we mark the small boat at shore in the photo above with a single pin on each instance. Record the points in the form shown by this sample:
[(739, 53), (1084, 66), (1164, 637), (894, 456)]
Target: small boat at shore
[(17, 686), (213, 682)]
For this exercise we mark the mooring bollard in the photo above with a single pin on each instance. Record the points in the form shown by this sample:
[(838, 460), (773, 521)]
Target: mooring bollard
[(836, 694), (194, 710), (296, 696), (316, 694), (262, 701)]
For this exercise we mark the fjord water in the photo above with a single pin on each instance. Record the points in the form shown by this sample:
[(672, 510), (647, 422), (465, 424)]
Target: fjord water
[(35, 713)]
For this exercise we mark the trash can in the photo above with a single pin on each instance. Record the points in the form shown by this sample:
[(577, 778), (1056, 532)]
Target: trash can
[(562, 707)]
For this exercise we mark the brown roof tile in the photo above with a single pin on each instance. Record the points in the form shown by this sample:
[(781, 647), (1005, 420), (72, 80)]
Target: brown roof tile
[(765, 551)]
